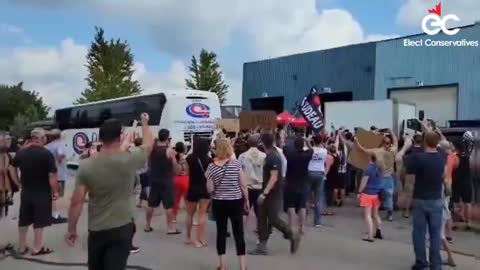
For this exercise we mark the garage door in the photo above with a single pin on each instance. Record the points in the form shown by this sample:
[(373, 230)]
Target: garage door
[(439, 103)]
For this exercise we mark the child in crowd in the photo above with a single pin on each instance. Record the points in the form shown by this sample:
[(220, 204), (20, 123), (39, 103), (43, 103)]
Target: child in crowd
[(369, 190)]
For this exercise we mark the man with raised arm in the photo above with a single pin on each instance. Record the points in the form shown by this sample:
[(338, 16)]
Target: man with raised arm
[(108, 178)]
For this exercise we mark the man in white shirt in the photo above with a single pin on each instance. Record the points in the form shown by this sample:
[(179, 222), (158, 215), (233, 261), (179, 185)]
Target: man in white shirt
[(57, 148)]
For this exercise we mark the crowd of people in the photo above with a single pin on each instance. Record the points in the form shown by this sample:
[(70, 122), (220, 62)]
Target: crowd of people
[(257, 173)]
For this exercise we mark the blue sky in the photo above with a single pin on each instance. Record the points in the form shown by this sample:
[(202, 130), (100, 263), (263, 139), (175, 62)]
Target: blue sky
[(163, 35)]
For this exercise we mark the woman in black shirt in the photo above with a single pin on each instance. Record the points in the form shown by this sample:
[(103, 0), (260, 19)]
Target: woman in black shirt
[(197, 195)]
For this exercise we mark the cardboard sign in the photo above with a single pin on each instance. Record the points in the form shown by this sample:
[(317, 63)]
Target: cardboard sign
[(311, 111), (368, 140), (230, 125), (254, 119)]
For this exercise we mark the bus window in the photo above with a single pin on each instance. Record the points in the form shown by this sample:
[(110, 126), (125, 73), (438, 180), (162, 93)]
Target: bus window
[(124, 111), (63, 118), (152, 105)]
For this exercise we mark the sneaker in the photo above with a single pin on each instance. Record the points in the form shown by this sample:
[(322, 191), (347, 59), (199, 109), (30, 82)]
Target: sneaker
[(295, 243), (134, 250), (390, 217), (378, 235), (59, 220)]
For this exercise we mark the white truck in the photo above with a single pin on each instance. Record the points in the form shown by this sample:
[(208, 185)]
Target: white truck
[(399, 117)]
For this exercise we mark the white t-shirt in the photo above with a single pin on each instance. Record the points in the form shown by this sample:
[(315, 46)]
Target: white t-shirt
[(319, 160)]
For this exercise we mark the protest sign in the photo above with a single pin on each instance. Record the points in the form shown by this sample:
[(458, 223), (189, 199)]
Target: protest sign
[(261, 119), (367, 139)]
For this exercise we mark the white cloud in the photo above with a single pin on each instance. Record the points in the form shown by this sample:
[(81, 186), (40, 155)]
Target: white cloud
[(58, 73), (275, 29), (181, 28), (301, 27), (412, 11)]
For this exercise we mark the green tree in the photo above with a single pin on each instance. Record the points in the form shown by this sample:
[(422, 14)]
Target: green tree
[(110, 70), (19, 127), (15, 101), (207, 75)]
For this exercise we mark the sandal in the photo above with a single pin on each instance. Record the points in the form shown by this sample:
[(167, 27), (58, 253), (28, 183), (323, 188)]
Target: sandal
[(174, 232), (24, 252), (147, 230), (42, 251), (450, 263), (368, 240), (200, 244)]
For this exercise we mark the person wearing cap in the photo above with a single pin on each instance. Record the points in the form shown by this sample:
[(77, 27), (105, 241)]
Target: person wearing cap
[(39, 186), (386, 158), (57, 148), (463, 181)]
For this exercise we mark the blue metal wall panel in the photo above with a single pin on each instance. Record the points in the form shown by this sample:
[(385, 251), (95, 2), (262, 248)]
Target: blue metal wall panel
[(349, 68), (400, 66)]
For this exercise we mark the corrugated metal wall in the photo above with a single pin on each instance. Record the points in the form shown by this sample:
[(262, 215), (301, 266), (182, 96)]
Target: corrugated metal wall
[(400, 66), (349, 68)]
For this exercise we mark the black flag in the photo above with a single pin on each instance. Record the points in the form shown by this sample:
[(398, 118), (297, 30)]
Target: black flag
[(310, 110)]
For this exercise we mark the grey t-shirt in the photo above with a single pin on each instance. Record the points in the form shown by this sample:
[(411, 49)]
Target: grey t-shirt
[(57, 148), (109, 180)]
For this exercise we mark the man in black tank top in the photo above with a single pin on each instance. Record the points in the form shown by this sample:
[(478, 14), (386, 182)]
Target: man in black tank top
[(162, 162)]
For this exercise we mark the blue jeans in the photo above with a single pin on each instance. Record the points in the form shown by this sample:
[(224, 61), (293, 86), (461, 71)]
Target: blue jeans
[(427, 215), (388, 188), (317, 181)]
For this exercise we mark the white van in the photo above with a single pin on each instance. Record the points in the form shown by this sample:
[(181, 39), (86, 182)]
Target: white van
[(184, 113)]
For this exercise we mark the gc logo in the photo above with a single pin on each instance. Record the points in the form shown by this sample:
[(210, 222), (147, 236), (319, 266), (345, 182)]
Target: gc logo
[(432, 24)]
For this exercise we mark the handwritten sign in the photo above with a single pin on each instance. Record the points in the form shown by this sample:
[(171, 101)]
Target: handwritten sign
[(254, 119)]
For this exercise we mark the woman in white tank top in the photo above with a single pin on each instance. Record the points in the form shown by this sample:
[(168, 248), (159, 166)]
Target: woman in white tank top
[(316, 172)]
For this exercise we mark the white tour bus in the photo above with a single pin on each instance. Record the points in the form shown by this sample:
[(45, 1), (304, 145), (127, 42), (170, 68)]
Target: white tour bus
[(183, 112)]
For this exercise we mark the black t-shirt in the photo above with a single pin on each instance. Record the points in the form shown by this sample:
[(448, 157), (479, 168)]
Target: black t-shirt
[(428, 169), (198, 182), (462, 173), (161, 167), (297, 169), (35, 164), (273, 162), (412, 150)]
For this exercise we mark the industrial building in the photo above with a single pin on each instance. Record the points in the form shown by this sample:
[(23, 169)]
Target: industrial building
[(444, 81)]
